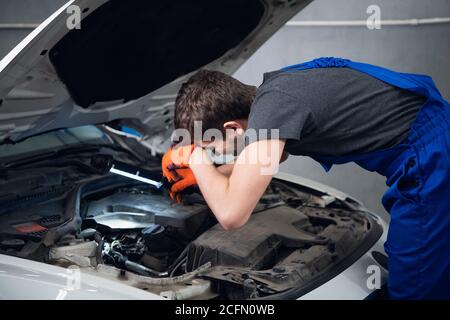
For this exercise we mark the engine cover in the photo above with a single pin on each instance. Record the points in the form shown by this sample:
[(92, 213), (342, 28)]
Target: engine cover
[(131, 208)]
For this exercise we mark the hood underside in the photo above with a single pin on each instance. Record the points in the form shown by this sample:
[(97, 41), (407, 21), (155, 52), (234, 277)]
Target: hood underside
[(127, 60)]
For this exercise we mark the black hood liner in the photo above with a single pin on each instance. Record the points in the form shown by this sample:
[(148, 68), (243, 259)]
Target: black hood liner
[(127, 49)]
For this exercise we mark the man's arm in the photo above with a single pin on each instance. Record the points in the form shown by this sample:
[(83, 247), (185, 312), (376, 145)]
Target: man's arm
[(227, 169), (232, 199)]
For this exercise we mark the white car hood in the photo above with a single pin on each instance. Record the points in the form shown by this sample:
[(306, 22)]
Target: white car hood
[(127, 61)]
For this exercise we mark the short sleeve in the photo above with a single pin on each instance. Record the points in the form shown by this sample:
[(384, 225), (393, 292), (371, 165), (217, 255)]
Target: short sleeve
[(276, 114)]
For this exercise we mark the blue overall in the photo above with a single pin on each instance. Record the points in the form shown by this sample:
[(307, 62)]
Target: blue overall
[(417, 173)]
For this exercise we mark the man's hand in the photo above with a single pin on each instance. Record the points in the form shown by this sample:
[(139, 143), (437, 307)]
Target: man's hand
[(184, 180), (175, 167), (176, 158)]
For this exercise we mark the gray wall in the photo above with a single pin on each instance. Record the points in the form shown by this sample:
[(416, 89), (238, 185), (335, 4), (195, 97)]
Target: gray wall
[(419, 49)]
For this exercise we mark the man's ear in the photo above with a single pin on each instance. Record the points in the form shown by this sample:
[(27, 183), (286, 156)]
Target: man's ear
[(238, 126)]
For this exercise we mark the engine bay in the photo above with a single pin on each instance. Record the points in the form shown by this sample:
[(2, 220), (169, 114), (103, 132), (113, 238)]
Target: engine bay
[(131, 232)]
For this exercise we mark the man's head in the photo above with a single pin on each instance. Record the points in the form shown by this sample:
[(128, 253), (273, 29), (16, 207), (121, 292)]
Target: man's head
[(220, 102)]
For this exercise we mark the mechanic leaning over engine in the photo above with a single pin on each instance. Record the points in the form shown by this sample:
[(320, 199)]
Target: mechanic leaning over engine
[(334, 111)]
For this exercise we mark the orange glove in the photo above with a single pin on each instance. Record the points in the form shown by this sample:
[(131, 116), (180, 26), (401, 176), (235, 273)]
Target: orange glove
[(185, 179), (176, 158), (175, 167)]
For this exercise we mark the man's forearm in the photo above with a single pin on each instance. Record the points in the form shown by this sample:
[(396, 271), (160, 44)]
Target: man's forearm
[(207, 175), (232, 199)]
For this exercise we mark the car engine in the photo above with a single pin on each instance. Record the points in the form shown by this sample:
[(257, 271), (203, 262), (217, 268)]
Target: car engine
[(131, 232)]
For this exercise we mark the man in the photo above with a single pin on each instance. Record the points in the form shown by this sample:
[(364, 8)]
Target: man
[(335, 111)]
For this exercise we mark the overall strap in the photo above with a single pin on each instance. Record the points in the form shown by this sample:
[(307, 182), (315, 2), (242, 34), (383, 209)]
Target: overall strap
[(419, 84)]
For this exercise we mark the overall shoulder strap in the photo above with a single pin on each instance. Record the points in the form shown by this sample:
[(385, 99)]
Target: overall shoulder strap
[(419, 84), (324, 62)]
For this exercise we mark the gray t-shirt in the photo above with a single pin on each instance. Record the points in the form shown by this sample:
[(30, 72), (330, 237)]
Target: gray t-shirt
[(333, 111)]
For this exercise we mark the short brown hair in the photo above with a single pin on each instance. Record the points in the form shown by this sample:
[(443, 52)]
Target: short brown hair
[(214, 98)]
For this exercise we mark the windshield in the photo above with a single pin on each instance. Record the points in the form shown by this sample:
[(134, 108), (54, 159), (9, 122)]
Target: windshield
[(55, 140)]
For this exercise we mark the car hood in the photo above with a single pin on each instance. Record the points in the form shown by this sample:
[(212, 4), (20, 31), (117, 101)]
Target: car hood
[(127, 60)]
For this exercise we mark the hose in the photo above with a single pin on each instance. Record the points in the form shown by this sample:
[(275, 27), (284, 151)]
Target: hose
[(99, 251), (140, 280), (177, 266), (177, 260), (122, 260)]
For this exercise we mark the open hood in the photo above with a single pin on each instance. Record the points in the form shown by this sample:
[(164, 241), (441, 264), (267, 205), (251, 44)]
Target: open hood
[(127, 61)]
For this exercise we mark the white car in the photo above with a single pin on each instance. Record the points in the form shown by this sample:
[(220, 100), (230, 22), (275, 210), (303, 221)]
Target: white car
[(74, 101)]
